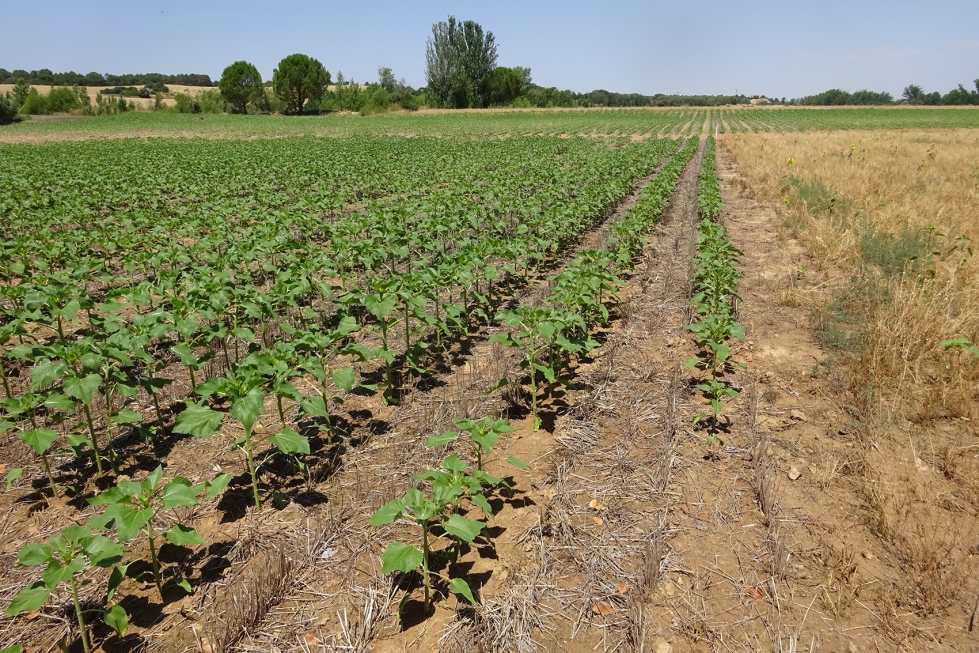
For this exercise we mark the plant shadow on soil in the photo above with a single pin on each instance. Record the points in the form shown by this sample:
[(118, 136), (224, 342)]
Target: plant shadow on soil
[(413, 612)]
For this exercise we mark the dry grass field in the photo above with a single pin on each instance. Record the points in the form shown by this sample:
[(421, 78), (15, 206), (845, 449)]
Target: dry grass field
[(886, 223), (142, 103), (890, 219)]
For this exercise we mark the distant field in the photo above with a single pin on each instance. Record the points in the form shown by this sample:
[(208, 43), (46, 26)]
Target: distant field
[(627, 123), (143, 103)]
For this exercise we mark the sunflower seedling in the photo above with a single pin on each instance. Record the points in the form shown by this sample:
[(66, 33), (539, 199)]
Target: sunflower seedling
[(483, 436), (66, 557), (133, 508), (434, 511)]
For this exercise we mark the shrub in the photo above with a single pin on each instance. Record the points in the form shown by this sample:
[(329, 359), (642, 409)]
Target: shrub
[(62, 99), (377, 100), (408, 102), (8, 110), (186, 104), (35, 104), (211, 102)]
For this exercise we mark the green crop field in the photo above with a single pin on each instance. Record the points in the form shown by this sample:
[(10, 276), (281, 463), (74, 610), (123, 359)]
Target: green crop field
[(574, 122), (239, 305)]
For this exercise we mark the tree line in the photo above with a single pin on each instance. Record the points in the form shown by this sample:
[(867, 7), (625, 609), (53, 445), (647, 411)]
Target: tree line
[(45, 77), (913, 94)]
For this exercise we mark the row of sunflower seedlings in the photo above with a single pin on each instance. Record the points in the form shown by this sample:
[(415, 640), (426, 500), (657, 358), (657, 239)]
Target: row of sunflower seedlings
[(715, 282), (551, 335), (548, 336), (131, 509)]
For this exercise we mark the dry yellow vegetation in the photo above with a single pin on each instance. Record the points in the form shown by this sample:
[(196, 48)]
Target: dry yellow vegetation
[(143, 103), (889, 218)]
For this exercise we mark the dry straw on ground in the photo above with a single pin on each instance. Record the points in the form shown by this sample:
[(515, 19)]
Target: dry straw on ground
[(888, 218)]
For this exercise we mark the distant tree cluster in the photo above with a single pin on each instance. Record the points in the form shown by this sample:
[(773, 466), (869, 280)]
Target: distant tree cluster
[(913, 94), (836, 97), (48, 78), (301, 84)]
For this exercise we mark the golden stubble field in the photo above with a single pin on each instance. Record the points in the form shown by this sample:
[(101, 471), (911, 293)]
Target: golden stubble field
[(142, 103), (897, 214), (887, 222)]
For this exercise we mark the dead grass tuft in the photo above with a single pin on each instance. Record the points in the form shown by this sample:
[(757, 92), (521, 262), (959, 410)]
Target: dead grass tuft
[(842, 585), (933, 546)]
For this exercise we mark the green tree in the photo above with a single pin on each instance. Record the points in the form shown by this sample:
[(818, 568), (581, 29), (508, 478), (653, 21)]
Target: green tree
[(239, 85), (913, 94), (298, 79), (385, 78), (524, 75), (34, 104), (20, 91), (459, 58), (8, 109), (505, 85)]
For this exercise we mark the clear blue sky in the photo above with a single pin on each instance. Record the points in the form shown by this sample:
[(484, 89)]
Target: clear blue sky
[(786, 48)]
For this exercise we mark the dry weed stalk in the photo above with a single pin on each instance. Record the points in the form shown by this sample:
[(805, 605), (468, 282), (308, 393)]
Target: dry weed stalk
[(766, 486), (841, 587), (654, 554), (775, 543), (933, 545), (266, 581), (504, 623), (357, 636), (249, 600)]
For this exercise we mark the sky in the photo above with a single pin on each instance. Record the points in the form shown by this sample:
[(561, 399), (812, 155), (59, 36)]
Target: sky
[(780, 49)]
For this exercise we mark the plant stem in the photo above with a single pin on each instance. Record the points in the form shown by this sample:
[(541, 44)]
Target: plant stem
[(234, 333), (425, 577), (407, 332), (282, 416), (533, 390), (78, 613), (3, 377), (95, 441), (159, 413), (47, 470), (224, 347), (251, 467), (153, 559), (109, 453), (326, 409)]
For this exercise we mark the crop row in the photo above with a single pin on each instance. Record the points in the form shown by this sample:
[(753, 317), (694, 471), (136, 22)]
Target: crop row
[(551, 335), (715, 282), (548, 336), (607, 123)]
